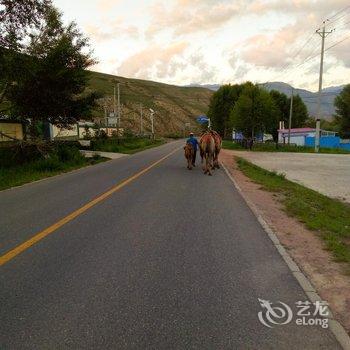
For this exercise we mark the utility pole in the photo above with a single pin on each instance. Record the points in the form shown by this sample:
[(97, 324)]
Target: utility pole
[(141, 121), (106, 114), (114, 108), (118, 120), (152, 122), (322, 32), (290, 115)]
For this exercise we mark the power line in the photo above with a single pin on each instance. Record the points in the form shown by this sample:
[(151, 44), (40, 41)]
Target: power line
[(346, 14), (339, 12), (337, 43), (298, 52), (286, 73)]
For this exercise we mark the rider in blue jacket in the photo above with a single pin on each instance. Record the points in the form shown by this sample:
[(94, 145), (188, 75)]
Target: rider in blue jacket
[(193, 141)]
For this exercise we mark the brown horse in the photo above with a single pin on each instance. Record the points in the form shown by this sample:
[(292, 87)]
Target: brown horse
[(189, 153), (207, 151), (218, 145)]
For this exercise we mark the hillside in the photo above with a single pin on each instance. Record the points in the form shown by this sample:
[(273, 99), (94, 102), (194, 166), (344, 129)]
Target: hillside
[(309, 98), (174, 105)]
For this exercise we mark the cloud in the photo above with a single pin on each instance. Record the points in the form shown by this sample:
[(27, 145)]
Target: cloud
[(111, 32), (107, 5), (208, 41), (188, 17), (319, 8), (341, 51), (154, 61), (202, 72)]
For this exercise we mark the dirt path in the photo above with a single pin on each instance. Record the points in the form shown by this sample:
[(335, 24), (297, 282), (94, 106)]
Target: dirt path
[(307, 250)]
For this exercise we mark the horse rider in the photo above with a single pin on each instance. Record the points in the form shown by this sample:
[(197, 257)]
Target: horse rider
[(193, 141)]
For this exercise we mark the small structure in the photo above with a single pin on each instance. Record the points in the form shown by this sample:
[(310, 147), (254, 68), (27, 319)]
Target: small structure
[(11, 130), (298, 135), (306, 137)]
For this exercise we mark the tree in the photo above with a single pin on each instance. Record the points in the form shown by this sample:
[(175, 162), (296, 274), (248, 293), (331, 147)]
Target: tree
[(254, 112), (331, 125), (282, 108), (220, 107), (52, 84), (342, 107), (18, 18), (300, 113), (282, 105)]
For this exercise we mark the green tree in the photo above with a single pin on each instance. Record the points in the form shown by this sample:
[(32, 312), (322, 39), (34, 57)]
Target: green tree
[(282, 105), (17, 19), (331, 125), (300, 112), (342, 107), (52, 84), (220, 107), (255, 112)]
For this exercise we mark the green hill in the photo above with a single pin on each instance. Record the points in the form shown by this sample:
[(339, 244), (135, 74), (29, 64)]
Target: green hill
[(174, 105)]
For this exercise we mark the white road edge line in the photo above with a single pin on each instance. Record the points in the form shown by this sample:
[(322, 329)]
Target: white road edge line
[(337, 329)]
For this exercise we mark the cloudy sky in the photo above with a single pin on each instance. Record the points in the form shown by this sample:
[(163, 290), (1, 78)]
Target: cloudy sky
[(216, 41)]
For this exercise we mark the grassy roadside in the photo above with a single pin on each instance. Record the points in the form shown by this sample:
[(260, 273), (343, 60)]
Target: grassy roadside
[(128, 146), (271, 147), (328, 217), (16, 174)]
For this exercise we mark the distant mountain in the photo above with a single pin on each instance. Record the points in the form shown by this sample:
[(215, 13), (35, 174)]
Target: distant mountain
[(309, 98), (213, 87)]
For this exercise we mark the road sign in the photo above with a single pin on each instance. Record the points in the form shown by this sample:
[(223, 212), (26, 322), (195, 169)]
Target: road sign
[(112, 121), (202, 119)]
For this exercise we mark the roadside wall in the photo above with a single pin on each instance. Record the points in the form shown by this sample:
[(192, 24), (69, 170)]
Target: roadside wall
[(11, 129), (327, 142)]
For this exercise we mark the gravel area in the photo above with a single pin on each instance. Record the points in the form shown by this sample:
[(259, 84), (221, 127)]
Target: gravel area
[(326, 173)]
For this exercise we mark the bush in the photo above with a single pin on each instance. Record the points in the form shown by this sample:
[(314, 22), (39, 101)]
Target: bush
[(41, 153)]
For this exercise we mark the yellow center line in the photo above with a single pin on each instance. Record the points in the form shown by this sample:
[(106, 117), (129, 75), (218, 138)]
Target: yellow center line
[(40, 235)]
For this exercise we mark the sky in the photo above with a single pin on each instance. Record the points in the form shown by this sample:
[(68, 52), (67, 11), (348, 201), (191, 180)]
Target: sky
[(216, 41)]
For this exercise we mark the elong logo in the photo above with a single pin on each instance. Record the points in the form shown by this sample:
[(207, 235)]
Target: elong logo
[(281, 314)]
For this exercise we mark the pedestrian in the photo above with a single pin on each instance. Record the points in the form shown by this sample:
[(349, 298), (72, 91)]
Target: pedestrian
[(193, 141)]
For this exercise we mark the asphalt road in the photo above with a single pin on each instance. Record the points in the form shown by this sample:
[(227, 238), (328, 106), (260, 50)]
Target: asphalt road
[(172, 260)]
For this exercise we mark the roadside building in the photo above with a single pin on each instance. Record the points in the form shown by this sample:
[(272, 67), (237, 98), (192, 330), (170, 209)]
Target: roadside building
[(306, 137), (298, 135), (11, 129)]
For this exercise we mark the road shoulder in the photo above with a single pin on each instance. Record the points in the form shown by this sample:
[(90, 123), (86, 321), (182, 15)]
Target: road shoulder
[(302, 250)]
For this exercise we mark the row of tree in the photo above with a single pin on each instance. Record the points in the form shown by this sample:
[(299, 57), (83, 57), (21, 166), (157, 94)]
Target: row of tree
[(252, 110), (43, 64)]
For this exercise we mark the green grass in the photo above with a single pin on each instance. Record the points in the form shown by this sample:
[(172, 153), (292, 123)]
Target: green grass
[(328, 217), (128, 146), (271, 147), (60, 161), (231, 145)]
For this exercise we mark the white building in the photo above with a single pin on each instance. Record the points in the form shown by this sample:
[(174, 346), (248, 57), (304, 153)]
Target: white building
[(298, 135)]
